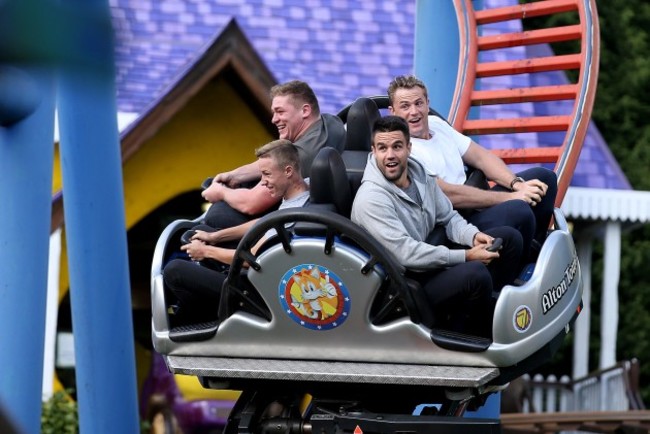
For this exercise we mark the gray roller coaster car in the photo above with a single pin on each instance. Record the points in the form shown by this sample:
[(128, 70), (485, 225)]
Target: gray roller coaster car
[(324, 311)]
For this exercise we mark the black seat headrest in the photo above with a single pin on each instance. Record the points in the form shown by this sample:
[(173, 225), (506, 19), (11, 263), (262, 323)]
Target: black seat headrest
[(329, 182), (335, 131), (361, 117)]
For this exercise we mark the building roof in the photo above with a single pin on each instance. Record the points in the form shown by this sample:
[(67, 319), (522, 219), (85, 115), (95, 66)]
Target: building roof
[(627, 206), (343, 48), (229, 53)]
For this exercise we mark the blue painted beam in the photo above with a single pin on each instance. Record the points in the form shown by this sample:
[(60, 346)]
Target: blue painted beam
[(436, 50), (26, 158), (96, 239)]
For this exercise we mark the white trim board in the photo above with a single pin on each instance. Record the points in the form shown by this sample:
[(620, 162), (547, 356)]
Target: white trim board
[(607, 204)]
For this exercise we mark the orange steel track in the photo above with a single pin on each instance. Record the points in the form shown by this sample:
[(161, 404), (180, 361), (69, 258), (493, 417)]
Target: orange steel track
[(582, 93)]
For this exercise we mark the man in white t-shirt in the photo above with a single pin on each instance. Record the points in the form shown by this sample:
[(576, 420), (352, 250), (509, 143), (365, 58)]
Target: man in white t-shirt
[(524, 200)]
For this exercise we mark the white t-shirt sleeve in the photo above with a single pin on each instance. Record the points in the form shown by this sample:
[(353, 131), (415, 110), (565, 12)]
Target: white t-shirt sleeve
[(460, 141)]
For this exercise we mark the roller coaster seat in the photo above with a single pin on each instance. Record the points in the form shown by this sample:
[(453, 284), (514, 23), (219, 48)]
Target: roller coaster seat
[(360, 118), (329, 186), (270, 329)]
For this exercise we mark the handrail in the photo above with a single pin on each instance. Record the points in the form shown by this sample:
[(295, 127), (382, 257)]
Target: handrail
[(584, 103), (596, 421), (582, 93), (467, 63), (627, 371)]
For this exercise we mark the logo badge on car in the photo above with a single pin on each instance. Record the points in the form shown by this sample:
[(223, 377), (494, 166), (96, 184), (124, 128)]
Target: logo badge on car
[(314, 297), (522, 319)]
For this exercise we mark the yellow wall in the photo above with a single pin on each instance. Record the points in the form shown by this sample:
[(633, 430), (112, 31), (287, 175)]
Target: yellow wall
[(214, 132)]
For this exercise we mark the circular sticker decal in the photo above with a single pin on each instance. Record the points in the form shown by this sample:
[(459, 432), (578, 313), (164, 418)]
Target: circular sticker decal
[(522, 319), (314, 297)]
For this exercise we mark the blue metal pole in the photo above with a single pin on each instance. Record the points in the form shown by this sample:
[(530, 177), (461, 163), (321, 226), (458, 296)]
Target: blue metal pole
[(96, 239), (26, 158), (436, 51)]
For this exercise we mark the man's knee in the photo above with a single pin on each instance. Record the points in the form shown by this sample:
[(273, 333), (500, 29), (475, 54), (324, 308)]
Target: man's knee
[(174, 272), (518, 214), (545, 175), (512, 239), (479, 281)]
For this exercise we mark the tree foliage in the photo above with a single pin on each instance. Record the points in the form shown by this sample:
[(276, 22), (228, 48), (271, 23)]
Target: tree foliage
[(622, 105), (621, 111)]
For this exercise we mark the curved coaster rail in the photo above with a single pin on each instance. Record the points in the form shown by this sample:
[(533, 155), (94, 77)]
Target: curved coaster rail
[(582, 93)]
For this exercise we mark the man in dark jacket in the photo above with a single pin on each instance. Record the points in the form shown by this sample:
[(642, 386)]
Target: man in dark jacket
[(297, 116)]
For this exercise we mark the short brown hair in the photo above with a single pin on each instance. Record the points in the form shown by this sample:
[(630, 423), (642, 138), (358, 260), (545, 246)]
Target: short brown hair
[(283, 151), (300, 91), (390, 123), (405, 82)]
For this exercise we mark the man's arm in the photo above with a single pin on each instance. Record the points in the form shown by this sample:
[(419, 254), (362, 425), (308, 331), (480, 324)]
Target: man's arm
[(249, 201), (198, 251), (465, 196), (245, 173), (379, 218), (493, 167), (226, 234)]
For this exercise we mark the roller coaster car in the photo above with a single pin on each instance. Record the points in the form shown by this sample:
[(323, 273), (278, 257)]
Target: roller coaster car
[(323, 310)]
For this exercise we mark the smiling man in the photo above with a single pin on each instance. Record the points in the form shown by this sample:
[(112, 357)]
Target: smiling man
[(400, 205), (297, 116), (198, 288)]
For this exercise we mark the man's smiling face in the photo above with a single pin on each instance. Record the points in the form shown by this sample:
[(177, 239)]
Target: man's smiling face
[(413, 106), (274, 177), (289, 117)]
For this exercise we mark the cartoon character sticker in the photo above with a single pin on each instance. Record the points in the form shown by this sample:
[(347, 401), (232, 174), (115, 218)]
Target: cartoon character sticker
[(522, 319), (314, 297)]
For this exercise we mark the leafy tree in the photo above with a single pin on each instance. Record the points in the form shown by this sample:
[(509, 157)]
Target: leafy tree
[(621, 111)]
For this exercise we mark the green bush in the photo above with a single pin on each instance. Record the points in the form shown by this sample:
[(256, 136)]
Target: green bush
[(59, 415)]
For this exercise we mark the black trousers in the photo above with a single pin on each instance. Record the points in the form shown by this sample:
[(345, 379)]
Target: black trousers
[(196, 290), (461, 296), (531, 221)]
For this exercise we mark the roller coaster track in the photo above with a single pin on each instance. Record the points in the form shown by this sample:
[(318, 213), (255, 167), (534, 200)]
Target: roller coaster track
[(582, 93)]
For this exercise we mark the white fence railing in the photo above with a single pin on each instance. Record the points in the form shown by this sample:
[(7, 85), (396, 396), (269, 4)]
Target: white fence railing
[(611, 389)]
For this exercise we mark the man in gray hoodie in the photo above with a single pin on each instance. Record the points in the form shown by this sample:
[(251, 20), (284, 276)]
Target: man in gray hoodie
[(400, 205)]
